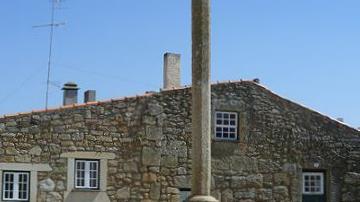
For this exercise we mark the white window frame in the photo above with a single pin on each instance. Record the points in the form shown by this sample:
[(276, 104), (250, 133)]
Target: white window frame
[(15, 189), (87, 174), (228, 126), (32, 168), (320, 185)]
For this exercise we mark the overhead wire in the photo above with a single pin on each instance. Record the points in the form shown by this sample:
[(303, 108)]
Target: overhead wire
[(100, 74)]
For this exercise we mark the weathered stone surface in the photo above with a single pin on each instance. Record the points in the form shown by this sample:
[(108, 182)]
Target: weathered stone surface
[(11, 151), (36, 151), (245, 194), (243, 164), (131, 167), (352, 178), (172, 190), (247, 181), (182, 181), (227, 195), (281, 179), (53, 197), (47, 185), (280, 193), (154, 133), (151, 156), (149, 177), (123, 193), (277, 140), (264, 194), (155, 191)]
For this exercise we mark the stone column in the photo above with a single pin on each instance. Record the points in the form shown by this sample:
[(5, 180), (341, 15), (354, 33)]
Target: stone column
[(201, 101)]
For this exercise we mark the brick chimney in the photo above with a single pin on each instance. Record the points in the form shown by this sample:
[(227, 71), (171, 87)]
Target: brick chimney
[(171, 70), (90, 96), (70, 93)]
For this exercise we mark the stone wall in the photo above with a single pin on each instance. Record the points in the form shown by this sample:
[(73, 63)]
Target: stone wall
[(150, 136)]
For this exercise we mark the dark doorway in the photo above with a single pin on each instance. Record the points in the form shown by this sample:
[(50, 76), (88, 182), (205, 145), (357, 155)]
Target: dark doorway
[(313, 186)]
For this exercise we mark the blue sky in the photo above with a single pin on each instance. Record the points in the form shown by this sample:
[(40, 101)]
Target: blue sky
[(307, 51)]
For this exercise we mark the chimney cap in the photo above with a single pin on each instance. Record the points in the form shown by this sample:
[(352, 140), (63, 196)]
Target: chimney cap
[(70, 86)]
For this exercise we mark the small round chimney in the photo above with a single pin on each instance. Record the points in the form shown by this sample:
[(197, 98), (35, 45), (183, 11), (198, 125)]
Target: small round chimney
[(70, 93)]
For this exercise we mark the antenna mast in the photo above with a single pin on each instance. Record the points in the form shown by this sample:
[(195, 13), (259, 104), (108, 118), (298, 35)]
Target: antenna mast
[(51, 39)]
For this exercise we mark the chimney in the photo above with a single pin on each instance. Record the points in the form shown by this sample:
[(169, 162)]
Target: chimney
[(90, 96), (340, 119), (171, 70), (70, 93)]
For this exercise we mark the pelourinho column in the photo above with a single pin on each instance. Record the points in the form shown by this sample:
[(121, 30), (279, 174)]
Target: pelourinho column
[(201, 102)]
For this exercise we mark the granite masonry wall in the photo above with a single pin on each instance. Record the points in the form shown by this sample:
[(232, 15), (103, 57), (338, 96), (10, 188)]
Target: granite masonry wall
[(150, 136)]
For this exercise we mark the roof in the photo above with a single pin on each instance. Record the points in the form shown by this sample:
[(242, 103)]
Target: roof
[(149, 94)]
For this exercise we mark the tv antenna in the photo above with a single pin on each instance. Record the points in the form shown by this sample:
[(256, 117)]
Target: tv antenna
[(52, 25)]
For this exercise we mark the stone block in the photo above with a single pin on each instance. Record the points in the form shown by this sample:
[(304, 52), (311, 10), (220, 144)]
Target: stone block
[(11, 151), (281, 179), (183, 181), (151, 156), (47, 185), (242, 164), (172, 190), (149, 177), (280, 193), (154, 133), (169, 161), (155, 191), (264, 194), (53, 197), (227, 196), (245, 194), (25, 158), (36, 151), (123, 193), (131, 166), (352, 178), (220, 164), (250, 181)]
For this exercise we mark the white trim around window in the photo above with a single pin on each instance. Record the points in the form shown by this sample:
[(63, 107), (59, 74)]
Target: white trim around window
[(102, 159), (16, 186), (226, 125), (313, 183), (31, 170)]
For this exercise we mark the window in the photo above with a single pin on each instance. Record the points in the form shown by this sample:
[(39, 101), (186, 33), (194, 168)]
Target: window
[(313, 183), (87, 174), (184, 194), (15, 186), (226, 125)]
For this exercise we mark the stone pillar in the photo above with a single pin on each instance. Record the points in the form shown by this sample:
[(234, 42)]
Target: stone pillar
[(201, 101)]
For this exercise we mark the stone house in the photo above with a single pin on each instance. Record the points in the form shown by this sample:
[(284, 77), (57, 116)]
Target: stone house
[(264, 148)]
